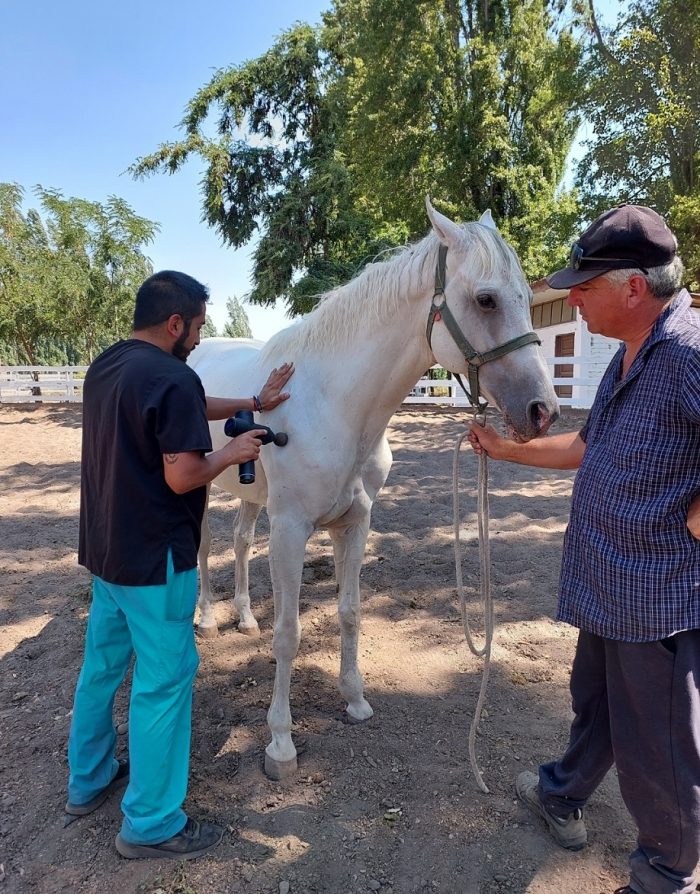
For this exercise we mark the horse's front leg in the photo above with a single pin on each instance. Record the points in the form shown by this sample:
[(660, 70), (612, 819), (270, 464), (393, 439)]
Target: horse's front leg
[(288, 536), (207, 626), (242, 542), (349, 543)]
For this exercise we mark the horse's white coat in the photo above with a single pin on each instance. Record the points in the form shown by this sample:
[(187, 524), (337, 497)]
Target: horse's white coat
[(357, 355)]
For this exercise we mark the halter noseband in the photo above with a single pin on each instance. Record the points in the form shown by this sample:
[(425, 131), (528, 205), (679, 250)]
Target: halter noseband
[(474, 358)]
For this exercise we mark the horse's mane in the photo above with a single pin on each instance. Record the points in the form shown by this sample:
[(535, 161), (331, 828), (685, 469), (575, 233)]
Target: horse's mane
[(382, 290)]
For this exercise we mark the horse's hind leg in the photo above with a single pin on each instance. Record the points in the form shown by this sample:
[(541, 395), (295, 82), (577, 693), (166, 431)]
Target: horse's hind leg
[(242, 544), (207, 626), (349, 549)]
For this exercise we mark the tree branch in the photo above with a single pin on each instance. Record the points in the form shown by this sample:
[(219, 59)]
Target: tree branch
[(602, 46)]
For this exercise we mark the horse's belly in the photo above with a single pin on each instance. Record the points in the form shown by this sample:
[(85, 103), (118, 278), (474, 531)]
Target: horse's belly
[(251, 493)]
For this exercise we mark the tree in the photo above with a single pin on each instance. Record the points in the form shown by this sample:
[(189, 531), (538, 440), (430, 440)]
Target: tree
[(285, 179), (466, 100), (29, 280), (643, 103), (68, 282), (103, 244), (238, 325), (329, 142), (208, 330)]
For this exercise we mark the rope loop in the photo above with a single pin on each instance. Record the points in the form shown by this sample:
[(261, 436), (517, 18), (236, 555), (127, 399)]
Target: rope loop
[(485, 578)]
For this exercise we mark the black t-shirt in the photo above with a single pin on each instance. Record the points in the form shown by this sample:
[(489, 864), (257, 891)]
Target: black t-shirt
[(139, 402)]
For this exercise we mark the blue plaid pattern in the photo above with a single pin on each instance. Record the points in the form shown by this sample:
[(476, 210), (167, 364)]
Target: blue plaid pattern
[(631, 569)]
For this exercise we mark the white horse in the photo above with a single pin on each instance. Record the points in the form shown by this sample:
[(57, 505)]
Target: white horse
[(356, 356)]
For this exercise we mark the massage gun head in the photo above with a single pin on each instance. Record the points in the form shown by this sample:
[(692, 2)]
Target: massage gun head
[(238, 426)]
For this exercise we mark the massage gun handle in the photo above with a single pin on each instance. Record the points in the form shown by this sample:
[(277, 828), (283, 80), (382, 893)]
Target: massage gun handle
[(242, 422), (246, 470)]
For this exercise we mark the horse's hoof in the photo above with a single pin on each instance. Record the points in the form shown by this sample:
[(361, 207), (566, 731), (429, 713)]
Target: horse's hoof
[(360, 712), (249, 629), (210, 632), (279, 770)]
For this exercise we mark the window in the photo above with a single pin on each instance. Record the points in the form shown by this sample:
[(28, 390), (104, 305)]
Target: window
[(564, 347)]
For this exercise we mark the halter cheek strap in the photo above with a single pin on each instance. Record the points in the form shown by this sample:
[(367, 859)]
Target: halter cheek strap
[(440, 311)]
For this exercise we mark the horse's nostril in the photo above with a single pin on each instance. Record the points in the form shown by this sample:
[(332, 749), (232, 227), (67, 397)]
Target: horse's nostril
[(540, 416)]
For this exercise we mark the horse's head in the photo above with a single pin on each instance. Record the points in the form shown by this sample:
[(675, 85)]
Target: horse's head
[(482, 324)]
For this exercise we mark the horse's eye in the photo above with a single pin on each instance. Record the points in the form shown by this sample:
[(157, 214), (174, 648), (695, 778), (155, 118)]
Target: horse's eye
[(486, 300)]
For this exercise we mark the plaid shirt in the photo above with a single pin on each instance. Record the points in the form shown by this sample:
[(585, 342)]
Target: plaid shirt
[(631, 569)]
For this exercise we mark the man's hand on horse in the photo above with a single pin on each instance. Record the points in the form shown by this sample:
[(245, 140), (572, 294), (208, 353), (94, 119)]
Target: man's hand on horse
[(272, 395)]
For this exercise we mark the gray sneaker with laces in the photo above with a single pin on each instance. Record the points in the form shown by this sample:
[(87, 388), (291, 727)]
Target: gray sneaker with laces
[(569, 833)]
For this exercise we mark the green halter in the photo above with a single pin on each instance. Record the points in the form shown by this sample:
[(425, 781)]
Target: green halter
[(474, 358)]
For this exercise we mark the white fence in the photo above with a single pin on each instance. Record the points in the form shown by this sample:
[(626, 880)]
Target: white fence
[(41, 384), (449, 392), (52, 384)]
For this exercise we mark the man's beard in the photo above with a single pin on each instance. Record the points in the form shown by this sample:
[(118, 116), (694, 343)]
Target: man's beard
[(179, 349)]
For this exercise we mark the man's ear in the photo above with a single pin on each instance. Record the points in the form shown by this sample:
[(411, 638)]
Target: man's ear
[(637, 291), (174, 325)]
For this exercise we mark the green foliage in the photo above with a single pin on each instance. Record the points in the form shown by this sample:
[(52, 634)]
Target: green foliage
[(328, 143), (208, 330), (67, 282), (462, 100), (237, 325), (643, 102), (684, 218)]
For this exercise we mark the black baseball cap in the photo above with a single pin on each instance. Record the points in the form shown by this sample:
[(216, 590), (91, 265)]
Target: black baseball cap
[(630, 236)]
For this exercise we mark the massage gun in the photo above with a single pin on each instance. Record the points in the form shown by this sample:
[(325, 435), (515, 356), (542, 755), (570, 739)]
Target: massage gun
[(239, 424)]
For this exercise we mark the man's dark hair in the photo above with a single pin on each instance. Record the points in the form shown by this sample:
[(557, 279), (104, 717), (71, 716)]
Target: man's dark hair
[(167, 293)]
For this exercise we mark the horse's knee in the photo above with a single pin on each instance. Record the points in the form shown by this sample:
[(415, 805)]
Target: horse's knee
[(242, 542), (349, 617), (285, 640)]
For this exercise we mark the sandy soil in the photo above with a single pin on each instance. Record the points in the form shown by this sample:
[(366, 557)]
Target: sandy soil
[(390, 805)]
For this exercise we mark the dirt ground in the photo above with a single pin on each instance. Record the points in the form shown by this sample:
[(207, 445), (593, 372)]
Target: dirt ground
[(390, 805)]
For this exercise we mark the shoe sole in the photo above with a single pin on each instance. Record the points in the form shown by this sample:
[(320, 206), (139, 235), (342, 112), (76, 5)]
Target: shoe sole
[(154, 851)]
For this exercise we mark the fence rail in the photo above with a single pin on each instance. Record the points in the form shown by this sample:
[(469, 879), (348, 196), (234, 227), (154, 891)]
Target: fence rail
[(41, 384), (53, 384), (449, 393)]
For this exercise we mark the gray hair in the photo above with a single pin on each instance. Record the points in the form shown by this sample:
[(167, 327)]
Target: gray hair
[(663, 281)]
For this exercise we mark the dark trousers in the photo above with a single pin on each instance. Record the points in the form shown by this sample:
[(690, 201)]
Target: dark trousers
[(637, 706)]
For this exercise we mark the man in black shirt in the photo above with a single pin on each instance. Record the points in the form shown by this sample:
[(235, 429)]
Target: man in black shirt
[(146, 460)]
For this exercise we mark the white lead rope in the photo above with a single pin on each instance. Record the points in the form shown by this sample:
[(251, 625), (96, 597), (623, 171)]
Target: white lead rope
[(485, 574)]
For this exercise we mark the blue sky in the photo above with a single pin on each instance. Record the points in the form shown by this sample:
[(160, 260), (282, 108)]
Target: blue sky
[(88, 87)]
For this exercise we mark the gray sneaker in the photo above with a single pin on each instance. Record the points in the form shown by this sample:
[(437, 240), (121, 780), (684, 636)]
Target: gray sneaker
[(570, 832), (195, 839)]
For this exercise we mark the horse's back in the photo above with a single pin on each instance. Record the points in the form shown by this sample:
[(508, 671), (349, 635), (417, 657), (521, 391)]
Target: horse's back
[(224, 364)]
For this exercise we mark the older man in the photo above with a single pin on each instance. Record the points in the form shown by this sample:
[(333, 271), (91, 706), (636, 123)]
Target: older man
[(630, 578)]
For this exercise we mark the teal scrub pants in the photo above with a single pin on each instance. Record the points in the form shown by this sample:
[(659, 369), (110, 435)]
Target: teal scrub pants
[(154, 623)]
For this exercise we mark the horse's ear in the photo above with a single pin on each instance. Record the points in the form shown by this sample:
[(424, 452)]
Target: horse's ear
[(446, 230), (487, 221)]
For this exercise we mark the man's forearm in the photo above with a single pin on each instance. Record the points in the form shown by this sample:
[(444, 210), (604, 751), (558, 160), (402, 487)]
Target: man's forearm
[(564, 451), (225, 407)]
